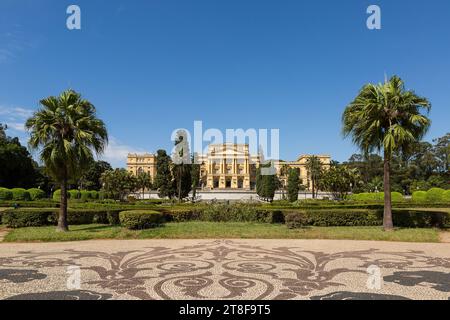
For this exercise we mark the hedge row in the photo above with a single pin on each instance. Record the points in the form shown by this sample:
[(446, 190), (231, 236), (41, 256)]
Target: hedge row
[(330, 217), (433, 195), (74, 194), (19, 218), (376, 196), (141, 219), (20, 194)]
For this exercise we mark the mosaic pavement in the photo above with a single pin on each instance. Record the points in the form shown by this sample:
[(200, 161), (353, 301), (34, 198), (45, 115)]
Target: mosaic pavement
[(224, 269)]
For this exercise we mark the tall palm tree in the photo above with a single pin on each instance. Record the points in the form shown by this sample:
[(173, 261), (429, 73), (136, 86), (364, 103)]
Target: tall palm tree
[(386, 117), (67, 132), (314, 168)]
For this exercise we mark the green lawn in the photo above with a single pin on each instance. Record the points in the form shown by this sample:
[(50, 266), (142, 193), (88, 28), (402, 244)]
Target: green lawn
[(215, 230)]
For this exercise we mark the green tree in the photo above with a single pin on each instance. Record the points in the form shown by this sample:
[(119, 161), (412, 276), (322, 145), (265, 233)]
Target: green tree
[(314, 168), (90, 180), (182, 166), (442, 151), (339, 180), (386, 117), (266, 184), (67, 131), (118, 183), (17, 168), (163, 179), (143, 181), (293, 184)]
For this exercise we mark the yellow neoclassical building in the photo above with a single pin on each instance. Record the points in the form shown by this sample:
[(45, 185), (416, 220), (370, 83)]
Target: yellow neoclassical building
[(228, 166)]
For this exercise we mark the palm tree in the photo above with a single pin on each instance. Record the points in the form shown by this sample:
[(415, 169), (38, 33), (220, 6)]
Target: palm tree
[(67, 131), (386, 117), (314, 168), (143, 181)]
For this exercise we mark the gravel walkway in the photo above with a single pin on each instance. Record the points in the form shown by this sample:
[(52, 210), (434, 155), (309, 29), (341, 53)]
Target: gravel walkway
[(225, 269)]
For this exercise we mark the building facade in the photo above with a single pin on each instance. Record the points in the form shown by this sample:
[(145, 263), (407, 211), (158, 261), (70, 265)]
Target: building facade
[(228, 166)]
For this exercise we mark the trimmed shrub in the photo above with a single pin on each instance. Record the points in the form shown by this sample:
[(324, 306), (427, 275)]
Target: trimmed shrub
[(296, 219), (420, 219), (141, 219), (36, 194), (182, 215), (57, 195), (435, 195), (20, 218), (20, 194), (74, 194), (397, 197), (446, 196), (419, 196), (32, 217), (376, 196), (93, 194), (5, 194), (85, 195), (338, 218)]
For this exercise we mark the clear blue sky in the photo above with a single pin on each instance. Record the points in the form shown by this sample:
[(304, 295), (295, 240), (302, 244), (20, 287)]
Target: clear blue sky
[(152, 66)]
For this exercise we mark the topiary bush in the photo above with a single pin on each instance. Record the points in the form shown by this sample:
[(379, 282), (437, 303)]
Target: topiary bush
[(446, 196), (36, 194), (85, 195), (435, 195), (5, 194), (57, 195), (419, 196), (74, 194), (397, 197), (141, 219), (20, 194), (93, 194), (420, 219), (296, 219)]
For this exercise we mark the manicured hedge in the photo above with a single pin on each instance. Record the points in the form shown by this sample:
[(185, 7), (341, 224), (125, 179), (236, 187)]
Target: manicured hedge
[(27, 217), (20, 194), (5, 194), (435, 195), (224, 213), (74, 194), (37, 217), (446, 196), (141, 219), (44, 203), (85, 195), (419, 196), (376, 196), (296, 219), (36, 194), (338, 218)]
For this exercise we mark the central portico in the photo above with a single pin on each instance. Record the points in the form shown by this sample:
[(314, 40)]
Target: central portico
[(228, 166)]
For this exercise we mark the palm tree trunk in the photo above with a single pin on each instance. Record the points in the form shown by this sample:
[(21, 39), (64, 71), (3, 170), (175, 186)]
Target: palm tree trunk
[(387, 217), (62, 218)]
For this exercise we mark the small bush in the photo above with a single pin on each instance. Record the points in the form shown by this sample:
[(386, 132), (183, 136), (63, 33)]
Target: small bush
[(36, 194), (5, 194), (20, 194), (93, 194), (397, 197), (340, 218), (446, 196), (74, 194), (57, 195), (419, 196), (435, 195), (85, 195), (296, 219), (141, 219)]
